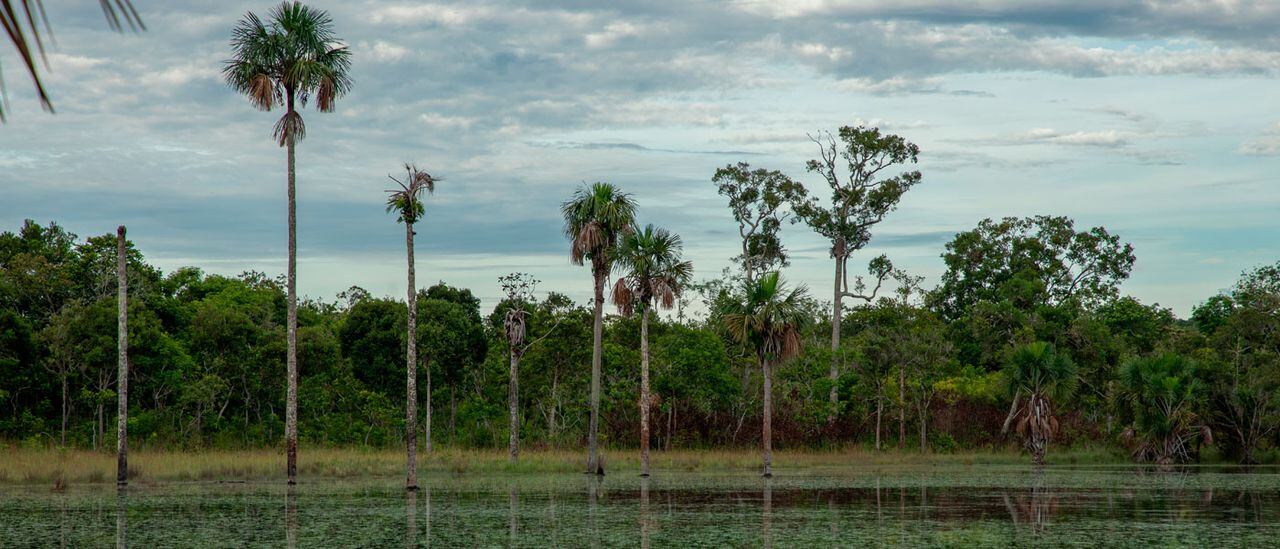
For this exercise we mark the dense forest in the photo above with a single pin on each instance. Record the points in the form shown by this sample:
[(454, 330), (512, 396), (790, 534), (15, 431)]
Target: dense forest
[(936, 369)]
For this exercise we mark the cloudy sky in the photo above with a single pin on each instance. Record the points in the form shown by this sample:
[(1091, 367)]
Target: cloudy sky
[(1158, 120)]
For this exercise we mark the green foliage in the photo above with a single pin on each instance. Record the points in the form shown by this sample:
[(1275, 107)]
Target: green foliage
[(208, 357), (757, 199), (1030, 261), (1166, 397)]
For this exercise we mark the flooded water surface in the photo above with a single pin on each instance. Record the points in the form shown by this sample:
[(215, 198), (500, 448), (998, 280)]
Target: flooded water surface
[(933, 506)]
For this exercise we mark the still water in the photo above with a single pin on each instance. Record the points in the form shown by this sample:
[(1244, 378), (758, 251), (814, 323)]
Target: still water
[(927, 506)]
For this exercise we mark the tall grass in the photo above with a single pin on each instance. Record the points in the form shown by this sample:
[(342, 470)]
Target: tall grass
[(56, 466)]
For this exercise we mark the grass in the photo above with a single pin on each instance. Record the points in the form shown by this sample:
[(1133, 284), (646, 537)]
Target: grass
[(54, 466)]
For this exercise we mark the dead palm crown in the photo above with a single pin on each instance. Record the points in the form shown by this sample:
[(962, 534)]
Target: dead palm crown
[(407, 200)]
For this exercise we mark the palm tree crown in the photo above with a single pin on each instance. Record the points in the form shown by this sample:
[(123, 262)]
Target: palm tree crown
[(407, 200), (1038, 369), (593, 219), (293, 56), (769, 318), (655, 269)]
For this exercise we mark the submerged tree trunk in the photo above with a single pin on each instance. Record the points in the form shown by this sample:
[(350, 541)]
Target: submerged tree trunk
[(122, 361), (767, 431), (513, 404), (411, 371), (644, 392), (597, 350), (291, 357)]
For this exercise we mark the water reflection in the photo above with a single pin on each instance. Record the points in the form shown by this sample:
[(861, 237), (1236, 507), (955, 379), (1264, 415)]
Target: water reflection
[(411, 518), (1032, 509), (1047, 509), (644, 513), (290, 517), (122, 520), (766, 520)]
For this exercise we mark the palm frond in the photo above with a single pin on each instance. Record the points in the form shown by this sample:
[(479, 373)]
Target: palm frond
[(29, 41)]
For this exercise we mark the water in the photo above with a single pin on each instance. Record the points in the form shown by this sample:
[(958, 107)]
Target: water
[(927, 506)]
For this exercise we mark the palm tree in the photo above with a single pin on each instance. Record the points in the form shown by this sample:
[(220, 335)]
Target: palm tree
[(768, 320), (654, 271), (1038, 375), (288, 61), (407, 202), (1166, 398), (29, 43), (593, 220)]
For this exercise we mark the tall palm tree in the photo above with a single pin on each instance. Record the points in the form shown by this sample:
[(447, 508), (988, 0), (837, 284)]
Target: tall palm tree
[(768, 320), (1038, 375), (594, 218), (655, 272), (28, 41), (287, 61), (407, 202)]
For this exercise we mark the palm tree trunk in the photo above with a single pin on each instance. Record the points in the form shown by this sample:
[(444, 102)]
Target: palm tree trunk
[(767, 431), (291, 357), (411, 371), (122, 361), (597, 349), (837, 316), (644, 392), (513, 404)]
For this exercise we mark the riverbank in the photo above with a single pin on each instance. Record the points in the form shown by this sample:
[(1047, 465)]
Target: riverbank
[(51, 466)]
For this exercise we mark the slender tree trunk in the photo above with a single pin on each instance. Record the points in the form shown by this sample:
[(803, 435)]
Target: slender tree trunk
[(64, 410), (644, 392), (411, 371), (513, 404), (767, 431), (924, 426), (122, 361), (879, 416), (291, 358), (555, 403), (837, 317), (428, 429), (597, 350), (902, 408)]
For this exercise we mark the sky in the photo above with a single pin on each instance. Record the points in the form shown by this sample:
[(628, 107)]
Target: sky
[(1156, 120)]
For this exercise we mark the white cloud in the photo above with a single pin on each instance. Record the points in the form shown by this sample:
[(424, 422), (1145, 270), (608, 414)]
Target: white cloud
[(1267, 144), (383, 51)]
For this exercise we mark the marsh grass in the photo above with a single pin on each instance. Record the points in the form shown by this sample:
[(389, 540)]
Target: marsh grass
[(69, 467)]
